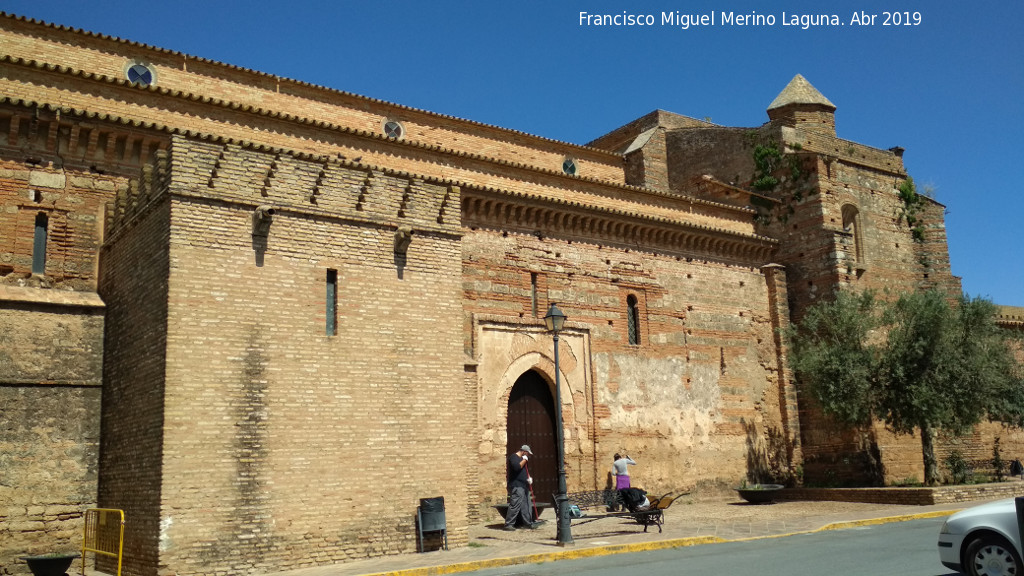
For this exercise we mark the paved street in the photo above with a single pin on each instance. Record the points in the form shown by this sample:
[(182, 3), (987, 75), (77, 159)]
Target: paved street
[(893, 549), (688, 523)]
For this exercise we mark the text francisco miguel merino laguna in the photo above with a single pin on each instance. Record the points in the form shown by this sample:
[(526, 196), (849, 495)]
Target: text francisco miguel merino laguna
[(724, 18)]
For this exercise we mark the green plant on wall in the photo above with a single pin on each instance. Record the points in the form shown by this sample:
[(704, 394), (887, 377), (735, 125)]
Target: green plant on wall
[(913, 205), (776, 172), (767, 159)]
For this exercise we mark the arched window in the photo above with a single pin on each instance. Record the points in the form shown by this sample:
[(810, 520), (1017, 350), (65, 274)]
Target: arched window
[(633, 320), (39, 244), (851, 224)]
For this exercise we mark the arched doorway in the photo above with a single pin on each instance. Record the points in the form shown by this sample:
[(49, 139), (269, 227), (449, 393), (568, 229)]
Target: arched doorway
[(531, 420)]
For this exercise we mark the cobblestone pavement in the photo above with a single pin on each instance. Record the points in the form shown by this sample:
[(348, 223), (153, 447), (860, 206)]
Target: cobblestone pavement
[(687, 523)]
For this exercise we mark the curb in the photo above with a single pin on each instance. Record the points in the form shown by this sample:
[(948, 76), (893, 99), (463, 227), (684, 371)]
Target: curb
[(888, 520), (641, 547)]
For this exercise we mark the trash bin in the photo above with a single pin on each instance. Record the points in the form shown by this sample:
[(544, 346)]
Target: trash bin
[(430, 518)]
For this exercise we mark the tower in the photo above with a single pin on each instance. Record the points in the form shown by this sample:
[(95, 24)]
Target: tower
[(801, 106)]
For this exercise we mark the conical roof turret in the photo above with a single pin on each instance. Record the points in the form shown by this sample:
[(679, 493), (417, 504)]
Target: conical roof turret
[(800, 91)]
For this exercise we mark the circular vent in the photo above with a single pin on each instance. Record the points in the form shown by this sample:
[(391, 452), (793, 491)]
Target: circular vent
[(394, 129), (569, 166), (140, 74)]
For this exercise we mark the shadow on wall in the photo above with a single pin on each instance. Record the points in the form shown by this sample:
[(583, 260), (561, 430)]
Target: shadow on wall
[(767, 460), (403, 237), (262, 217), (853, 465), (852, 459)]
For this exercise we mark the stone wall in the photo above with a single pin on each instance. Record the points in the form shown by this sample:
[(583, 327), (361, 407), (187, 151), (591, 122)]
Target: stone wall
[(51, 346), (908, 496), (697, 400), (48, 466)]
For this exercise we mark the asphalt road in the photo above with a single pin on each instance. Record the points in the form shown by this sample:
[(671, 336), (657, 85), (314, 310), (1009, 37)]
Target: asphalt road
[(896, 549)]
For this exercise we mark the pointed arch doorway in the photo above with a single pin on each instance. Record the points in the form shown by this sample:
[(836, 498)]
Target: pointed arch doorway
[(531, 420)]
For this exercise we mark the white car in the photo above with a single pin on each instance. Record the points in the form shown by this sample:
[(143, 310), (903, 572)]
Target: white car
[(983, 540)]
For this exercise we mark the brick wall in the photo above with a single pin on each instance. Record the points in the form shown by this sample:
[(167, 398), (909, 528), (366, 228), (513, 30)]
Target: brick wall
[(134, 284), (283, 446), (724, 153), (241, 438), (72, 203), (822, 253)]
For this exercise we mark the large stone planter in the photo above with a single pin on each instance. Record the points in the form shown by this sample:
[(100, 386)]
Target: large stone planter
[(541, 507), (759, 493), (50, 564)]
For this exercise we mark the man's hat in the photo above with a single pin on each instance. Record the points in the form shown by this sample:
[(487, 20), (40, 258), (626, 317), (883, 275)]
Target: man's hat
[(526, 448)]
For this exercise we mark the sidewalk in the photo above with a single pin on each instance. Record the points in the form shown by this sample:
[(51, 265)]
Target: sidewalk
[(687, 523)]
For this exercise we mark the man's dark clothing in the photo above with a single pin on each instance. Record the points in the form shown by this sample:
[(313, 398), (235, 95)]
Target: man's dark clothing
[(516, 474), (519, 508)]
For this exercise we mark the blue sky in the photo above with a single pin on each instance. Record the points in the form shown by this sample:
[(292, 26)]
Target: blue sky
[(950, 90)]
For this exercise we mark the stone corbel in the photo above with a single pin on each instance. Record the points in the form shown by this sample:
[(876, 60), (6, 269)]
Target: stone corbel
[(261, 220), (403, 237)]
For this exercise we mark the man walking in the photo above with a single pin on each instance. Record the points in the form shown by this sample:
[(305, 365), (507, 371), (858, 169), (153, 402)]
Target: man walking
[(519, 481)]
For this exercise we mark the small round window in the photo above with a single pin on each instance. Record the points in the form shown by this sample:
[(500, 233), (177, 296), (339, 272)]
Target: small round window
[(393, 129), (140, 74), (569, 166)]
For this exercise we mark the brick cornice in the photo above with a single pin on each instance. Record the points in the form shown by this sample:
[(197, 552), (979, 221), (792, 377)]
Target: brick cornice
[(527, 214)]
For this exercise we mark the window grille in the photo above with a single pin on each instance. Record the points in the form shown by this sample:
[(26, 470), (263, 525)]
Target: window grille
[(533, 293), (332, 302), (633, 320), (39, 244)]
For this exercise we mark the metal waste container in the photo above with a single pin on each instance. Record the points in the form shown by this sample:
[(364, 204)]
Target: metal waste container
[(430, 518)]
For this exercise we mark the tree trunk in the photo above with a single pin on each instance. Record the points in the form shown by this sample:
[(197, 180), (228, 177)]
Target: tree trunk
[(931, 465)]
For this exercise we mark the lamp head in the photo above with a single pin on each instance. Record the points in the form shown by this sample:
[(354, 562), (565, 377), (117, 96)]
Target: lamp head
[(555, 319)]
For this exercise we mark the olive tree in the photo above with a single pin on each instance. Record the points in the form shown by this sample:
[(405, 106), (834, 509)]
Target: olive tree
[(834, 355), (920, 362)]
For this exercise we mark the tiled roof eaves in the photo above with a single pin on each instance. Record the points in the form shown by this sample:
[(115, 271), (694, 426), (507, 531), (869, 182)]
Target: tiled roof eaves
[(301, 83), (393, 172), (319, 124)]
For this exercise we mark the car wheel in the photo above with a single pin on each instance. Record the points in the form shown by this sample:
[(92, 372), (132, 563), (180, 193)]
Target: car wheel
[(992, 555)]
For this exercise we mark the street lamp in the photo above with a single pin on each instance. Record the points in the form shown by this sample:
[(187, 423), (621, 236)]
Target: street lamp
[(554, 321)]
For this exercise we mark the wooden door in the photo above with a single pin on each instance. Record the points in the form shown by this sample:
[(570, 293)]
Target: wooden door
[(531, 420)]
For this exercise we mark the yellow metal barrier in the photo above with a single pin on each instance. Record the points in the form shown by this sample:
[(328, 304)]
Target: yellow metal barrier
[(103, 534)]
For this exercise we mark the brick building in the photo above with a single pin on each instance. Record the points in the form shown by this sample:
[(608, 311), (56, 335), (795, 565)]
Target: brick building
[(265, 317)]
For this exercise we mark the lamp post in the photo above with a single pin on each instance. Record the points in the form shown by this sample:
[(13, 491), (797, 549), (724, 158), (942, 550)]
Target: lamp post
[(554, 321)]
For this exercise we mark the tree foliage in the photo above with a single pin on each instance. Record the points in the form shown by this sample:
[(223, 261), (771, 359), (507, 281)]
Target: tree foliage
[(832, 353), (919, 363)]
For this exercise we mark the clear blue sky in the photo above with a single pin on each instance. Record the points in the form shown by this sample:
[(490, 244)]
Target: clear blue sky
[(950, 90)]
